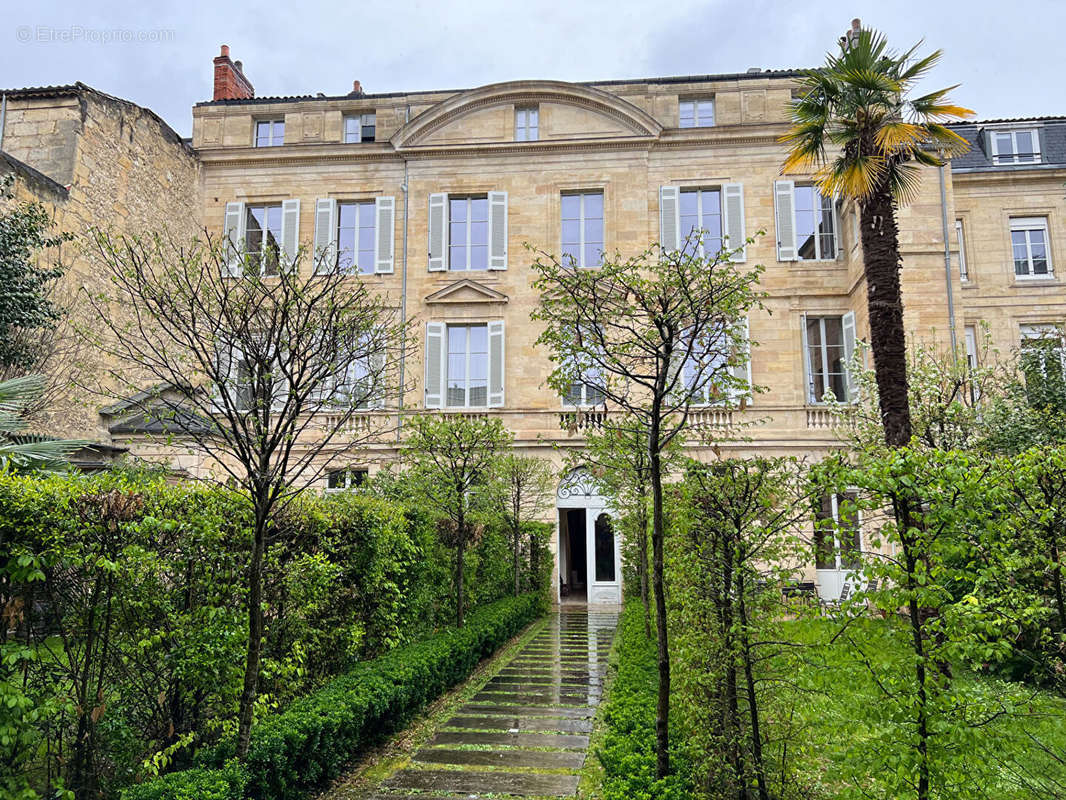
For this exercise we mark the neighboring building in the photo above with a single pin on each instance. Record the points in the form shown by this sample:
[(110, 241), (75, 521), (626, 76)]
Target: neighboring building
[(92, 160), (434, 193)]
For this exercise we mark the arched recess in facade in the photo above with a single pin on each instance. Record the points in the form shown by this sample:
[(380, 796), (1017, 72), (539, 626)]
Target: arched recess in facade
[(588, 553), (635, 121)]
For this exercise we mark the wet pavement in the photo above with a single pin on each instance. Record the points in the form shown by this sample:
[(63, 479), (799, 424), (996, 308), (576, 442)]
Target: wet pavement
[(526, 732)]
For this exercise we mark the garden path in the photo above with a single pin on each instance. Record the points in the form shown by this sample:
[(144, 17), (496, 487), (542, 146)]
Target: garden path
[(526, 732)]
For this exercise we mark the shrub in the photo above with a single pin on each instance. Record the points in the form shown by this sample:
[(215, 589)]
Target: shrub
[(310, 742)]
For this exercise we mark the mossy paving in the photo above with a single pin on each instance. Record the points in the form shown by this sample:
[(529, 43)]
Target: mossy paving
[(519, 728)]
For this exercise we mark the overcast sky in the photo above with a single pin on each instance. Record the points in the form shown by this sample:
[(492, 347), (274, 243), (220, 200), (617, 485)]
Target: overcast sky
[(1005, 55)]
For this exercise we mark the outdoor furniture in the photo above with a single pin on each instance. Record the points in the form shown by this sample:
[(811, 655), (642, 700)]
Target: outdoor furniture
[(836, 605), (804, 591)]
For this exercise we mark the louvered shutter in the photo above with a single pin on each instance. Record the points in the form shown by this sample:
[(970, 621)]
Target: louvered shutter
[(435, 364), (496, 354), (378, 384), (438, 232), (384, 234), (785, 215), (497, 230), (808, 381), (234, 239), (325, 235), (742, 372), (847, 322), (733, 206), (290, 232), (669, 218)]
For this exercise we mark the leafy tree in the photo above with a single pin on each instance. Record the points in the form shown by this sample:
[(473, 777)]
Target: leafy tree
[(258, 361), (26, 309), (526, 484), (856, 123), (452, 462), (653, 334)]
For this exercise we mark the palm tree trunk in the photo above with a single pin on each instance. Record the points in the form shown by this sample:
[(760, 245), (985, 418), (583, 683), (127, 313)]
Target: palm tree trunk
[(884, 299)]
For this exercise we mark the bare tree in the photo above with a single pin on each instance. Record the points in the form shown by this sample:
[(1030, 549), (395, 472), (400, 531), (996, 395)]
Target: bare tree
[(654, 335), (261, 362)]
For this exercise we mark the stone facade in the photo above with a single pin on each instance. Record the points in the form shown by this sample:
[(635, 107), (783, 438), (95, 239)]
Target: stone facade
[(109, 164)]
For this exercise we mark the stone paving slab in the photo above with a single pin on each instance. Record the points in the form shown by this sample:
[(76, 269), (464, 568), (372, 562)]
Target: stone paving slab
[(535, 713)]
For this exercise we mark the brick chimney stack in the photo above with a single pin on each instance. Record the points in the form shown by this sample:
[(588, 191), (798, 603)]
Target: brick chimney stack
[(230, 83), (357, 89)]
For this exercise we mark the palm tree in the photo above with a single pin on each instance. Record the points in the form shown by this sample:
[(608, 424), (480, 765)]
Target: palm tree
[(866, 141), (21, 451)]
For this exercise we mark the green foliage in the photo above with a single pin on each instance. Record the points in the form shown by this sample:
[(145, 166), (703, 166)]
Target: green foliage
[(227, 783), (20, 451), (628, 716), (25, 308), (308, 744)]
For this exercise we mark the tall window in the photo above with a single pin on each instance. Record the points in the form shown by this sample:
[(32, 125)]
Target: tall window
[(527, 124), (338, 480), (826, 361), (1029, 246), (360, 128), (468, 233), (697, 113), (467, 380), (837, 539), (262, 236), (815, 233), (582, 223), (971, 347), (269, 132), (1043, 361), (1015, 147), (355, 237), (701, 210), (604, 549), (960, 240)]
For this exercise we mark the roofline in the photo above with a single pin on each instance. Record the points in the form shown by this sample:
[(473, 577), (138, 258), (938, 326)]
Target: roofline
[(36, 176), (1006, 120), (727, 76)]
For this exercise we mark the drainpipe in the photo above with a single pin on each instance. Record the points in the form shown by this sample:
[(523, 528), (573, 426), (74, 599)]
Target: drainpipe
[(403, 286), (3, 119), (947, 259)]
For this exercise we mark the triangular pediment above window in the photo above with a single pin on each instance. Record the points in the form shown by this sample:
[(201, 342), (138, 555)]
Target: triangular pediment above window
[(466, 291)]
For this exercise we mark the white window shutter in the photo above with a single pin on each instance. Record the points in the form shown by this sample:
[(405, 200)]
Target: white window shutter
[(325, 235), (847, 322), (496, 354), (733, 206), (742, 372), (497, 230), (377, 380), (785, 214), (384, 234), (435, 364), (234, 239), (808, 381), (438, 232), (290, 232), (669, 218)]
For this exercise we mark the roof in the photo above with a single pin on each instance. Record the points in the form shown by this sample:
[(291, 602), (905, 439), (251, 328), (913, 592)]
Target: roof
[(36, 178), (1003, 120), (78, 89), (726, 76)]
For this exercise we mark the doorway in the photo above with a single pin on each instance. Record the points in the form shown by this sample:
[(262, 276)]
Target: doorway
[(588, 560), (573, 555), (837, 546)]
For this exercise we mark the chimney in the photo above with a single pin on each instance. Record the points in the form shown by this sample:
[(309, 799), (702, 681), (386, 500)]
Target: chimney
[(230, 83), (357, 89), (852, 35)]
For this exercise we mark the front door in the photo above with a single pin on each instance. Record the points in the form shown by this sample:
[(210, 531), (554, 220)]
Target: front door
[(589, 554), (837, 548)]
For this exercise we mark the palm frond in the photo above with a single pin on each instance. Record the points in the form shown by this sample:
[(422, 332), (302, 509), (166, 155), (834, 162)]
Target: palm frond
[(904, 181), (852, 177), (946, 139), (17, 393), (43, 454), (911, 73), (899, 135)]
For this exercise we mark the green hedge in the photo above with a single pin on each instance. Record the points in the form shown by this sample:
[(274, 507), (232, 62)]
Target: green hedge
[(310, 742)]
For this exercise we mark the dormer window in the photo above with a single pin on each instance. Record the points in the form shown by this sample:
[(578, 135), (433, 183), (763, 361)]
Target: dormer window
[(269, 133), (526, 124), (696, 113), (1015, 146), (360, 128)]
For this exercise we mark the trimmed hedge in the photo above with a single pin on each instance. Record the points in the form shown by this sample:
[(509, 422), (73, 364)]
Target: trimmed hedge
[(310, 742)]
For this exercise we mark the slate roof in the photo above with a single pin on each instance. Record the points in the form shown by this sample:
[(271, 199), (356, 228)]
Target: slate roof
[(1051, 131)]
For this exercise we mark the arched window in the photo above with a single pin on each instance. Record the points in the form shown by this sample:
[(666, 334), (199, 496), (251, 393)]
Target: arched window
[(604, 549)]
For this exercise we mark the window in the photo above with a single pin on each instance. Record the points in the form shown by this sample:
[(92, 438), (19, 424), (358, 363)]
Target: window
[(701, 210), (355, 237), (468, 233), (702, 373), (1015, 147), (360, 128), (270, 133), (1042, 362), (582, 223), (837, 538), (806, 223), (829, 343), (526, 124), (262, 235), (338, 480), (1029, 247), (971, 347), (964, 272), (467, 377), (697, 113), (604, 549)]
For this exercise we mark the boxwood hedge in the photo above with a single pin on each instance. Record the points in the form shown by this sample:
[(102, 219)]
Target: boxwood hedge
[(311, 741)]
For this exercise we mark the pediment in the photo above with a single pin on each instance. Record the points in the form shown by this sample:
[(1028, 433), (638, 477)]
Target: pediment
[(486, 115), (467, 291)]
